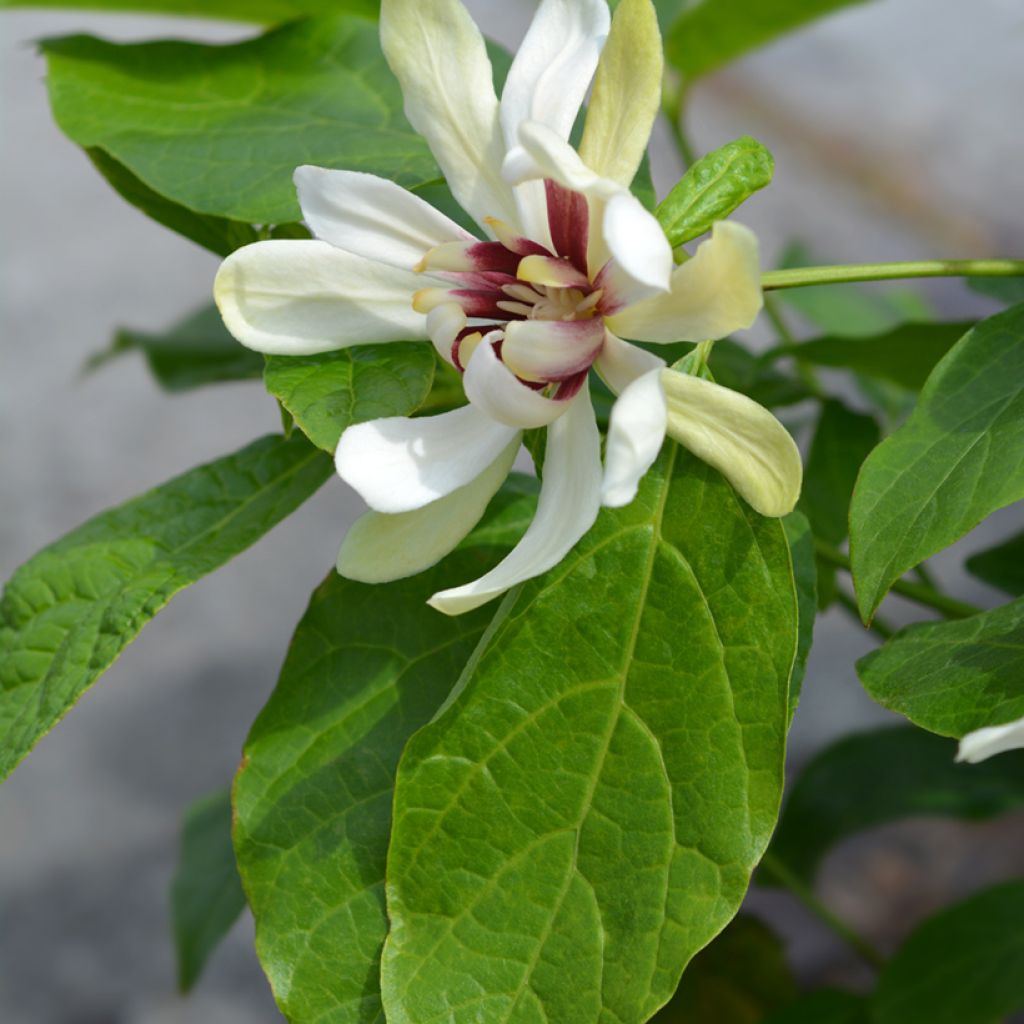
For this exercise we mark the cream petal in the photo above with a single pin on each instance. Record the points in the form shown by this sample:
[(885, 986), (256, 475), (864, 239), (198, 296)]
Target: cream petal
[(635, 435), (301, 297), (379, 547), (620, 363), (991, 740), (551, 349), (399, 464), (493, 388), (627, 94), (740, 438), (372, 217), (640, 258), (444, 323), (569, 501), (713, 294), (439, 57)]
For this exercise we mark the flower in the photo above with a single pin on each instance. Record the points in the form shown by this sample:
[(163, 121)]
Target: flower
[(571, 263), (990, 740)]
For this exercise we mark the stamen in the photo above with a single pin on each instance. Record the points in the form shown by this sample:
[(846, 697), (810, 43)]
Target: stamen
[(551, 273), (521, 291), (518, 308)]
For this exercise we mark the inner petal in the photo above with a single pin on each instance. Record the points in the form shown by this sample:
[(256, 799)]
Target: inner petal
[(551, 350)]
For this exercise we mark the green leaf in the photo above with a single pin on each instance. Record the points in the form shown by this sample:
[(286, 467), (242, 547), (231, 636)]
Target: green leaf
[(206, 894), (843, 439), (828, 1006), (69, 612), (1001, 566), (1009, 290), (953, 677), (708, 35), (737, 368), (805, 576), (739, 978), (368, 665), (963, 966), (905, 355), (196, 351), (958, 458), (584, 814), (221, 129), (262, 11), (882, 776), (713, 187), (326, 393)]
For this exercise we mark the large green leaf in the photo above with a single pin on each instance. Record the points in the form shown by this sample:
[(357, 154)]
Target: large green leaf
[(964, 966), (737, 368), (264, 11), (368, 665), (220, 129), (843, 439), (584, 814), (739, 978), (877, 777), (325, 393), (69, 612), (828, 1006), (958, 458), (953, 677), (805, 577), (196, 351), (713, 187), (1001, 566), (206, 895), (710, 34)]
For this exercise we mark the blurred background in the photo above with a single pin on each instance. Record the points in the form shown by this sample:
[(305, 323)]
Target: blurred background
[(896, 131)]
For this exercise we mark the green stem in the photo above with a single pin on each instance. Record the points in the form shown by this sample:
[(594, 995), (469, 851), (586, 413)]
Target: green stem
[(791, 347), (878, 626), (802, 277), (805, 894), (950, 607)]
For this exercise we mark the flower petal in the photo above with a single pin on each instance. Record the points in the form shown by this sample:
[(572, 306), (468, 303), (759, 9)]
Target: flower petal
[(493, 389), (295, 298), (398, 464), (740, 438), (621, 363), (640, 258), (713, 294), (380, 548), (635, 435), (444, 324), (439, 57), (568, 506), (372, 217), (551, 349), (992, 739), (627, 94)]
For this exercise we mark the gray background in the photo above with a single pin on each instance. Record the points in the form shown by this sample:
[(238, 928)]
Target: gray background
[(896, 129)]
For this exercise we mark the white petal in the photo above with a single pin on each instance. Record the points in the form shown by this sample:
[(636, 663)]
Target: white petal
[(740, 438), (300, 297), (568, 506), (641, 258), (621, 363), (493, 389), (713, 294), (439, 57), (551, 349), (635, 435), (992, 739), (398, 464), (372, 217), (379, 547), (444, 323)]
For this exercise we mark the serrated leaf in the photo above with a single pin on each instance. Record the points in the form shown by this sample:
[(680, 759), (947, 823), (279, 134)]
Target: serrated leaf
[(882, 776), (843, 439), (221, 129), (1001, 566), (957, 459), (739, 978), (585, 813), (805, 577), (963, 966), (206, 894), (368, 665), (196, 351), (953, 677), (713, 187), (828, 1006), (263, 11), (708, 35), (67, 613), (328, 392)]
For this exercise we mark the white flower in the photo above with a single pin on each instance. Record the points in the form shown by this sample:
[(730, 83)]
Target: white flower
[(991, 740), (572, 262)]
